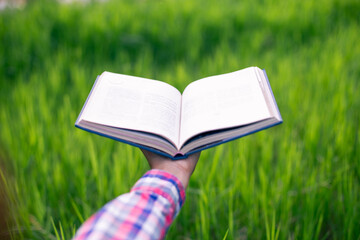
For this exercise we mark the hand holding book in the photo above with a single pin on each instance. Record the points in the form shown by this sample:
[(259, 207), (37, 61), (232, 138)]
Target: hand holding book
[(182, 168)]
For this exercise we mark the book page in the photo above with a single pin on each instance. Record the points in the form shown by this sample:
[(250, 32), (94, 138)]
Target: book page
[(222, 101), (135, 103)]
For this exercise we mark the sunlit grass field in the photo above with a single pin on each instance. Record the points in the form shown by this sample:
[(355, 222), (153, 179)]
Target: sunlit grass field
[(298, 180)]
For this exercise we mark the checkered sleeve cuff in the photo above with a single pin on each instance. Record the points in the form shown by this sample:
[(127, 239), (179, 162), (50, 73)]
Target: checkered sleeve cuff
[(164, 184)]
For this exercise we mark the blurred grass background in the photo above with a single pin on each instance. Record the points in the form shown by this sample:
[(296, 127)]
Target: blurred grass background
[(299, 180)]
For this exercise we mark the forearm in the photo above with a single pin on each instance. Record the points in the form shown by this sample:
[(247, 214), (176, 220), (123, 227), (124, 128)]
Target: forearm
[(144, 213)]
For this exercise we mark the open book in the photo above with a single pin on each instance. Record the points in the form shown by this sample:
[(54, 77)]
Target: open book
[(155, 116)]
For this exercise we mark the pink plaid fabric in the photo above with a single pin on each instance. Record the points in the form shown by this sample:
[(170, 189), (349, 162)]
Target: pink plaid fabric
[(144, 213)]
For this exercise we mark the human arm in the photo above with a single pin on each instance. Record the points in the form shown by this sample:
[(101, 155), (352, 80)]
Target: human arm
[(150, 207)]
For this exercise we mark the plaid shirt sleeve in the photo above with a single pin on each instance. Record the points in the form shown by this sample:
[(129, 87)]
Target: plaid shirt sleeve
[(144, 213)]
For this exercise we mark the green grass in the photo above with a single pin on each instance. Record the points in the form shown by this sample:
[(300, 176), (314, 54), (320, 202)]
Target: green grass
[(299, 180)]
